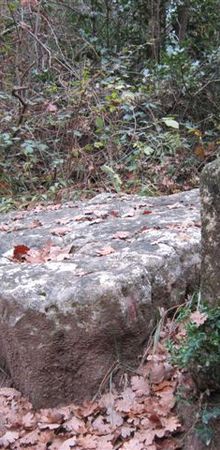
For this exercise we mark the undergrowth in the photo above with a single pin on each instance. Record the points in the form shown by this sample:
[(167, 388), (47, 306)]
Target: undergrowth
[(195, 348)]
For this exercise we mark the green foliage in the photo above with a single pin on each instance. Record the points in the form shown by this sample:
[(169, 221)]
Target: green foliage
[(104, 86), (199, 350), (205, 428)]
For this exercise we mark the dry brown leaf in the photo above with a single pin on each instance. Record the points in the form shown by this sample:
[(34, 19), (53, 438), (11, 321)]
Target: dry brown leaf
[(88, 442), (126, 431), (64, 221), (48, 253), (60, 231), (87, 409), (167, 403), (125, 403), (50, 106), (146, 436), (101, 426), (171, 423), (8, 438), (29, 3), (198, 318), (154, 371), (20, 252), (121, 235), (175, 205), (132, 444), (101, 214), (29, 421), (81, 218), (129, 213), (107, 400), (140, 385), (10, 393), (31, 438), (68, 444), (105, 251), (104, 446), (114, 418), (55, 444), (75, 425), (50, 419), (146, 212), (4, 227), (35, 224), (114, 213)]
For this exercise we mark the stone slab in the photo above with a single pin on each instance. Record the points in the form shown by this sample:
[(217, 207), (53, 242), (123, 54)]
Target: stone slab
[(65, 324)]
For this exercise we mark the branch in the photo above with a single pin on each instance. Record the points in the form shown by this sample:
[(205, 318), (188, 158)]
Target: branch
[(23, 103)]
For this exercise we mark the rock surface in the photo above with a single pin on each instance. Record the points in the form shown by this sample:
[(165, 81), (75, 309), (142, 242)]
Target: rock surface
[(210, 212), (67, 320)]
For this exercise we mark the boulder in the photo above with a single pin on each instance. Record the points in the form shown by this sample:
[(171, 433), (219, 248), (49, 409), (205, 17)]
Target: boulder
[(210, 214), (82, 302)]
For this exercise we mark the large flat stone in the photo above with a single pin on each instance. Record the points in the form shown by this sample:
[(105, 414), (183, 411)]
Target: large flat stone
[(65, 324)]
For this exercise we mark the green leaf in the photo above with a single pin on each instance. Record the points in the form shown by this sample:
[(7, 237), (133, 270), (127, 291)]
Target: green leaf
[(205, 434), (99, 123), (212, 413), (169, 122), (114, 177), (148, 150)]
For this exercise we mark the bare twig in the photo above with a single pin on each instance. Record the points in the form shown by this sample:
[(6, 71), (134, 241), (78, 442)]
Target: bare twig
[(24, 104)]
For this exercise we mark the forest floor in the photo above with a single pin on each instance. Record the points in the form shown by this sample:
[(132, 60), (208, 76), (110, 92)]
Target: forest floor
[(155, 407)]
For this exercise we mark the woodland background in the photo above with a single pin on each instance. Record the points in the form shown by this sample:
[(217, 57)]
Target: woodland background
[(106, 95)]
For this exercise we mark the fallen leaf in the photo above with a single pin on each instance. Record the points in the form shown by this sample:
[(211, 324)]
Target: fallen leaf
[(29, 421), (198, 318), (140, 385), (35, 224), (10, 393), (114, 213), (154, 371), (30, 438), (87, 442), (129, 213), (51, 108), (81, 218), (88, 408), (48, 253), (102, 445), (101, 426), (105, 251), (126, 431), (133, 444), (75, 425), (146, 436), (68, 444), (175, 205), (171, 423), (146, 211), (60, 231), (64, 221), (121, 235), (4, 227), (8, 438), (114, 418), (20, 252), (126, 402)]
